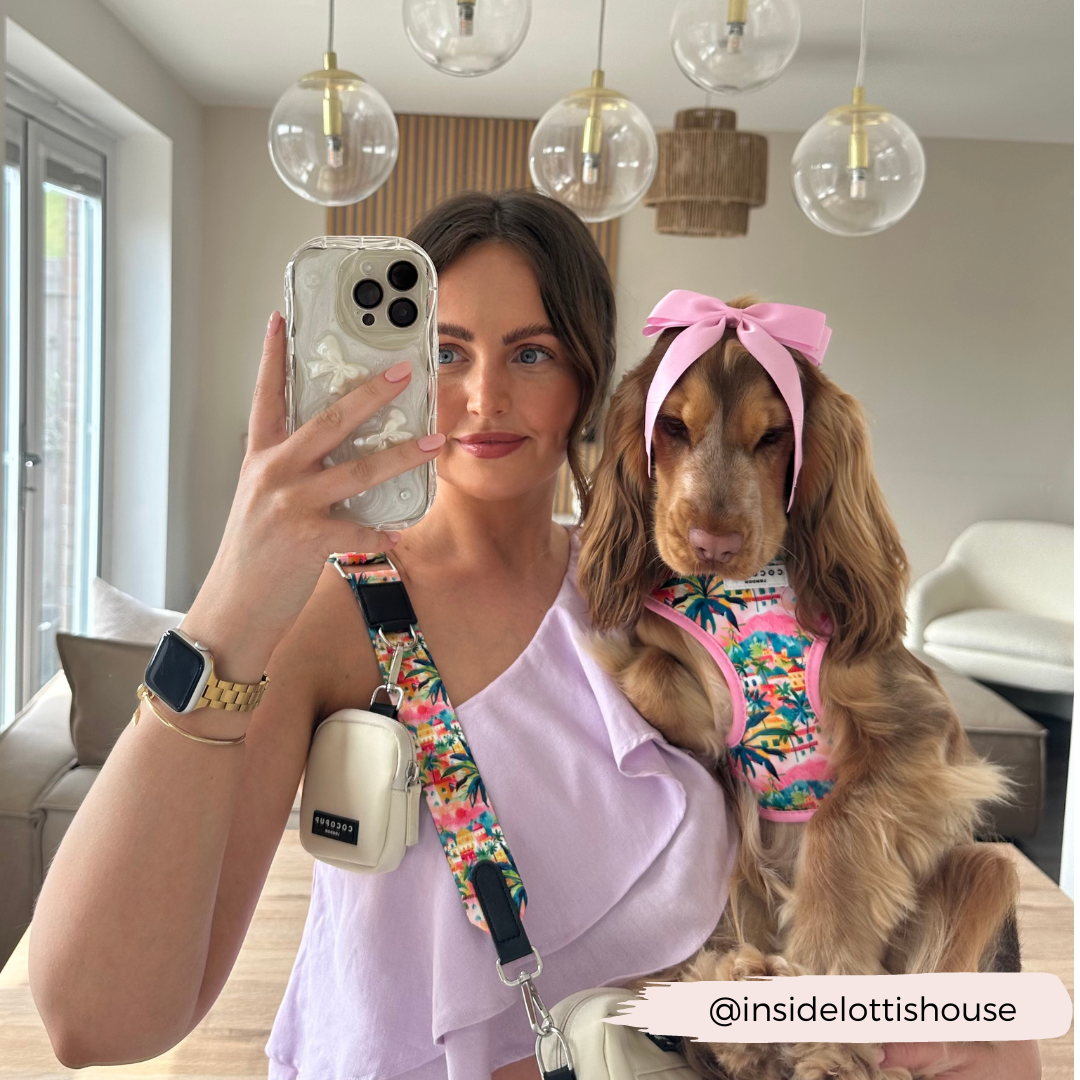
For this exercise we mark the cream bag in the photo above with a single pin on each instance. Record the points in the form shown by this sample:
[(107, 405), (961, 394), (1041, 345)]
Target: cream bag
[(360, 807), (611, 1051)]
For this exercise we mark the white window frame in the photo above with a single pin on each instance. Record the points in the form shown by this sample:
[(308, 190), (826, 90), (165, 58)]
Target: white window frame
[(50, 113)]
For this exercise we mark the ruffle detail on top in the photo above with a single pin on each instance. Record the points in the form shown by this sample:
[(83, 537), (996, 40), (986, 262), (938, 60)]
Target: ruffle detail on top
[(624, 844)]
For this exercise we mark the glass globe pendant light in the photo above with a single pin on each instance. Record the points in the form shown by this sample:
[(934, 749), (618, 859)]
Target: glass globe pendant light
[(734, 46), (333, 138), (466, 37), (595, 150), (860, 168)]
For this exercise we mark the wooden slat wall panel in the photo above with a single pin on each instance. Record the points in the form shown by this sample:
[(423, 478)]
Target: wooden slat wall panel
[(440, 156)]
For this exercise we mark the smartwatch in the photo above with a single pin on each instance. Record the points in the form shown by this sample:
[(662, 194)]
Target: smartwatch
[(181, 674)]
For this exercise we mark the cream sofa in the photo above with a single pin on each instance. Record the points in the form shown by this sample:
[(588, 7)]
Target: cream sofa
[(1000, 607)]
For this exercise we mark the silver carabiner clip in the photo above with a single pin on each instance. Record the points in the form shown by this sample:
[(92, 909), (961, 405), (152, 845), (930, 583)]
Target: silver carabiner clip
[(563, 1045)]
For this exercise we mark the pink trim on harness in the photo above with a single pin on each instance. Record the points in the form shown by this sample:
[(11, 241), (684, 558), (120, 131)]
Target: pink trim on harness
[(772, 667)]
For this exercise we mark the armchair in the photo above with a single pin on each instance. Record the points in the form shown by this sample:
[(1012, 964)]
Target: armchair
[(1000, 607)]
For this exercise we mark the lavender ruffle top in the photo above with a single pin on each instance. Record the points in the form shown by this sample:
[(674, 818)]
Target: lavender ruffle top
[(624, 844)]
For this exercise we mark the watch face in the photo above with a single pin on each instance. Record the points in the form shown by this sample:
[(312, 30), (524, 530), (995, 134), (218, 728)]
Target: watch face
[(175, 671)]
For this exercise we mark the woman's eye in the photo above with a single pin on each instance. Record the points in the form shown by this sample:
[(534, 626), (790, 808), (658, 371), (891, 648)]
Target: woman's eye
[(446, 354), (532, 355), (674, 427)]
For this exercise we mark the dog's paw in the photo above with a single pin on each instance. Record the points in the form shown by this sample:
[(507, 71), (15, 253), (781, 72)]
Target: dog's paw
[(833, 1061), (743, 962)]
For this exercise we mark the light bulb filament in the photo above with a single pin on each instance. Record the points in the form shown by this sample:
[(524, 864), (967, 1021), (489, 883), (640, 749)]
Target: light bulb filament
[(736, 25), (593, 135), (466, 15), (858, 147), (331, 108)]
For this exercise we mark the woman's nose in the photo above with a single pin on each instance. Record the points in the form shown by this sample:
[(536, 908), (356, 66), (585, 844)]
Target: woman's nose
[(488, 388)]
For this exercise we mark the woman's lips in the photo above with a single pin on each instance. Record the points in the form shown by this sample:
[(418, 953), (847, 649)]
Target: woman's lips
[(491, 444)]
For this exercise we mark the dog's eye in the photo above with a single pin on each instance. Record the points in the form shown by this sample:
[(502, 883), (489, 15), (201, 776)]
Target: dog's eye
[(770, 438), (673, 427)]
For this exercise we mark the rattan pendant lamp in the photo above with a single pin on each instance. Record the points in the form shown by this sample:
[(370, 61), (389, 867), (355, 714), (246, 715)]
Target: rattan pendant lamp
[(708, 175)]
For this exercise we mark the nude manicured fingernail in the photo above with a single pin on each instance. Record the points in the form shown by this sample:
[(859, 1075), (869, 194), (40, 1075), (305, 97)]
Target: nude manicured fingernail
[(273, 324), (393, 537), (431, 442), (398, 371)]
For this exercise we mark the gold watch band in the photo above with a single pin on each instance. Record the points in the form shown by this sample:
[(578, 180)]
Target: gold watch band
[(231, 696)]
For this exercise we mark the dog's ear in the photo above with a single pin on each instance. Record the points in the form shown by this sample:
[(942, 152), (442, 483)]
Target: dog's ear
[(618, 564), (847, 561)]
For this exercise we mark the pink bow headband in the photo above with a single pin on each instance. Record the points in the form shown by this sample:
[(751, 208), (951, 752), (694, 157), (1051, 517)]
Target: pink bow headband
[(764, 330)]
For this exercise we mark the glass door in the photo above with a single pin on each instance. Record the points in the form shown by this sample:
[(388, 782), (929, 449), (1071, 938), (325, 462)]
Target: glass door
[(57, 386)]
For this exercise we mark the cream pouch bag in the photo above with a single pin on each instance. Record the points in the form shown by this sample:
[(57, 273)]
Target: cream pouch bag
[(360, 808), (612, 1051)]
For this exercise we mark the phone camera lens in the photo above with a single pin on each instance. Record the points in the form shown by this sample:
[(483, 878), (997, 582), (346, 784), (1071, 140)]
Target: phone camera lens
[(402, 312), (368, 319), (367, 293), (403, 276)]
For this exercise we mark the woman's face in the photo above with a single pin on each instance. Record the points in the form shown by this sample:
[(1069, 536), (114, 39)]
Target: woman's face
[(507, 392)]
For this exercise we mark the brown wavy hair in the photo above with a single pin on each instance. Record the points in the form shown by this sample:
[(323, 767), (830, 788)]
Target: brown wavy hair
[(573, 278)]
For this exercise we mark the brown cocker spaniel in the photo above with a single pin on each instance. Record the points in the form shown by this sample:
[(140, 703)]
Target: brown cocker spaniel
[(886, 876)]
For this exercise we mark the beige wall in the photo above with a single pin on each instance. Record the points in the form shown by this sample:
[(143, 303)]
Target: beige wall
[(252, 223), (954, 328)]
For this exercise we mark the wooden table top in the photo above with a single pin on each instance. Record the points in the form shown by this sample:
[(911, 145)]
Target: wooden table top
[(229, 1043)]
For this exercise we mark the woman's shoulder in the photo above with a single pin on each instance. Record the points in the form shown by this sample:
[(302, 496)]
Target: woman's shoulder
[(338, 645)]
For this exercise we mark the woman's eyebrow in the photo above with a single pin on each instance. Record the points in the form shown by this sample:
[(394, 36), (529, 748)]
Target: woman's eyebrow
[(532, 330), (455, 330)]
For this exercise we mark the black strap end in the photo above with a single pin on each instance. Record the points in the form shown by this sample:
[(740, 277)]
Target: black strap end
[(500, 911), (386, 606)]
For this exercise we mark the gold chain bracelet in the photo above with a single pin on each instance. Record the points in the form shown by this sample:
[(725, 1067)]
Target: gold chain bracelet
[(146, 695)]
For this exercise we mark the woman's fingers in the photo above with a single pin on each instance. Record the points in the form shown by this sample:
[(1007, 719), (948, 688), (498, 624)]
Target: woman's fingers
[(1012, 1060), (352, 477), (266, 424), (326, 430)]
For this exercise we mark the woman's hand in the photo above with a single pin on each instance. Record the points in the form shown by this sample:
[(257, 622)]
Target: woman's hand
[(279, 532), (966, 1061)]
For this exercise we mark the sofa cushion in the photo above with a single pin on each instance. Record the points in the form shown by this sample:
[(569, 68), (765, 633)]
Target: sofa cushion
[(1012, 633), (104, 676), (995, 667), (35, 748), (118, 615)]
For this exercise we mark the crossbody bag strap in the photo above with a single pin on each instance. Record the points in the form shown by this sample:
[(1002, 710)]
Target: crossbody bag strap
[(460, 805), (476, 850)]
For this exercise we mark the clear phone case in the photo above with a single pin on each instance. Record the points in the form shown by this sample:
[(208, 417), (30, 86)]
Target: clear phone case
[(347, 302)]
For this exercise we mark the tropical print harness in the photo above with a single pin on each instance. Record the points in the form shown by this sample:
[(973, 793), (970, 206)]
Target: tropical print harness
[(772, 666), (464, 817)]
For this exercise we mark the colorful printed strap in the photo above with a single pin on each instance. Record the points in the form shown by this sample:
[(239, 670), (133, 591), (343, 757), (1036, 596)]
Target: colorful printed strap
[(460, 807)]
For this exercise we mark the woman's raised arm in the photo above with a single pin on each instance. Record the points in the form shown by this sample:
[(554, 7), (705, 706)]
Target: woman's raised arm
[(149, 896)]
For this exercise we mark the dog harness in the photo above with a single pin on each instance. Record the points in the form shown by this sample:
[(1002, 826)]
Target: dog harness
[(772, 668)]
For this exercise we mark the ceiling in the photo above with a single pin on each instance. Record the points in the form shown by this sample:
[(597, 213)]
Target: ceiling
[(984, 69)]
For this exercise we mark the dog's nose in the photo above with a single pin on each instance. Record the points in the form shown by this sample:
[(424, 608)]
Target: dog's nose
[(717, 549)]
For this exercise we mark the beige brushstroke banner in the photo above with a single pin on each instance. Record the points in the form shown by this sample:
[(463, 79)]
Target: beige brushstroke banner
[(942, 1007)]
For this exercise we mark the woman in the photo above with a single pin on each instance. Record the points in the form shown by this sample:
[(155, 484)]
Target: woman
[(624, 844)]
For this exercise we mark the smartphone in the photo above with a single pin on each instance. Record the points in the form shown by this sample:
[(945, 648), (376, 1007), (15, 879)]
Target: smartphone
[(355, 306)]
